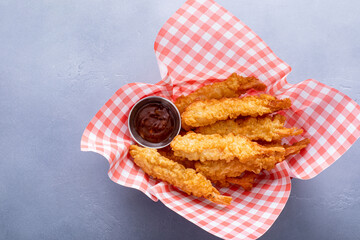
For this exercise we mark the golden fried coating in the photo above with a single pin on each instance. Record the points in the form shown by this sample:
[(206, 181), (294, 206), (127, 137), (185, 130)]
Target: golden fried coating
[(296, 147), (262, 128), (221, 170), (206, 112), (234, 86), (221, 183), (275, 143), (157, 166), (168, 153), (215, 147), (246, 181), (289, 149)]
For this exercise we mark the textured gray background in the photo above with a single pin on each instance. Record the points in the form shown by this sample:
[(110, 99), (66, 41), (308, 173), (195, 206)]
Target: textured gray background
[(61, 60)]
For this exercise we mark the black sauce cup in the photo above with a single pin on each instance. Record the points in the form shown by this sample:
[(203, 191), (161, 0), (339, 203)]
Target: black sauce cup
[(149, 100)]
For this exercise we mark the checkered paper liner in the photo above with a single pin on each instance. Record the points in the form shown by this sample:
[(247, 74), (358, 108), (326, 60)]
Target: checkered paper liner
[(201, 43)]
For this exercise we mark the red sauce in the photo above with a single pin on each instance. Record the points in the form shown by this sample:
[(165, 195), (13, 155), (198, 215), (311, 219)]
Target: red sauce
[(154, 122)]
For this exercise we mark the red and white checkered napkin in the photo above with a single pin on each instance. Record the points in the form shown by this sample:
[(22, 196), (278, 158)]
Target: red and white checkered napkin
[(200, 43)]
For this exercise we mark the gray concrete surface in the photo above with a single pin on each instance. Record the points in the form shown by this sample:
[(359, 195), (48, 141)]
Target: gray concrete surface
[(61, 60)]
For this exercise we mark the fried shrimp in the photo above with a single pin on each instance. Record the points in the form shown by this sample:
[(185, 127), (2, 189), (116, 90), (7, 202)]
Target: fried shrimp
[(216, 147), (234, 86), (262, 128), (157, 166), (221, 170), (206, 112)]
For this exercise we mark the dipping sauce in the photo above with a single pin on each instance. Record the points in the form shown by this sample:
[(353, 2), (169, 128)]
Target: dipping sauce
[(154, 122)]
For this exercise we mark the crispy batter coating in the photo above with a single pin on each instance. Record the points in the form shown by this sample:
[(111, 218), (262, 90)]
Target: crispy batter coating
[(221, 170), (234, 86), (296, 147), (289, 149), (168, 153), (157, 166), (262, 128), (206, 112), (275, 143), (246, 181), (215, 147), (221, 183)]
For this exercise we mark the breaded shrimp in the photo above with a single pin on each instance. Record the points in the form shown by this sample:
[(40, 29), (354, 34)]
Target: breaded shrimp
[(216, 147), (157, 166), (221, 170), (234, 86), (206, 112), (262, 128)]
